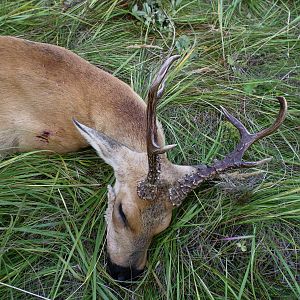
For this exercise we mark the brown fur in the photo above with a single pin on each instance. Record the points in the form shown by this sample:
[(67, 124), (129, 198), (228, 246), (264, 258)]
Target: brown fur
[(43, 86)]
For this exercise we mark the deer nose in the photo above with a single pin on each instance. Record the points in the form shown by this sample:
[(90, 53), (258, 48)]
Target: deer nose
[(121, 273)]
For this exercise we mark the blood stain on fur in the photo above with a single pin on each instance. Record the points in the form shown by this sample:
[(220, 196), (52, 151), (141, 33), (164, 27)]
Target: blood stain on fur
[(44, 136)]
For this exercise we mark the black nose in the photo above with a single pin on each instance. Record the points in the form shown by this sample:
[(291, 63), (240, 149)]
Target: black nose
[(123, 273)]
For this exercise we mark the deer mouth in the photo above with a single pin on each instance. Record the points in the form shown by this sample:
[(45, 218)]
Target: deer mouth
[(123, 274)]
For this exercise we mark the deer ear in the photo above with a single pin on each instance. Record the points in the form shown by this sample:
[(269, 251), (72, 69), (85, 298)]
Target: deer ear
[(112, 152)]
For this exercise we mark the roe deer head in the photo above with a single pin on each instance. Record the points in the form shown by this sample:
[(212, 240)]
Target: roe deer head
[(148, 186)]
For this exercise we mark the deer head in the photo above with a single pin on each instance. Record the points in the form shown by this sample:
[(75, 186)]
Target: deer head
[(148, 186)]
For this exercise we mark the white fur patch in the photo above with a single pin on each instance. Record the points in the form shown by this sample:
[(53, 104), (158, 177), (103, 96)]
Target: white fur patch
[(111, 201)]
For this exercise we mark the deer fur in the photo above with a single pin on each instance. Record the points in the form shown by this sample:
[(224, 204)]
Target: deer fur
[(42, 87)]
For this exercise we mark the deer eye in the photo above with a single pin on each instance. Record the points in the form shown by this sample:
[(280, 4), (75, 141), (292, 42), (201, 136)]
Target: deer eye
[(122, 215)]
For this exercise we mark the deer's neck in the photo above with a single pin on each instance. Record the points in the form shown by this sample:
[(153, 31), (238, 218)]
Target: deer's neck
[(117, 111)]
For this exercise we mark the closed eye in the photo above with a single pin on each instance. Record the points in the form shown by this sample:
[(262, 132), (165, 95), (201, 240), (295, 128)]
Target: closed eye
[(122, 215)]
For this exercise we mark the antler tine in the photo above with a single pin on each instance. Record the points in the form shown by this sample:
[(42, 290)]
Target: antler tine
[(161, 77), (154, 95), (234, 121), (279, 120), (265, 132), (147, 189), (232, 161), (247, 139)]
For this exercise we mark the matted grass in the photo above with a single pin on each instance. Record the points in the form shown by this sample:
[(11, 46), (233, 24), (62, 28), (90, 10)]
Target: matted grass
[(232, 238)]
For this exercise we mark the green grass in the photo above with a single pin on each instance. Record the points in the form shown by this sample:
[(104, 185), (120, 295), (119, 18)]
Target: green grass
[(232, 238)]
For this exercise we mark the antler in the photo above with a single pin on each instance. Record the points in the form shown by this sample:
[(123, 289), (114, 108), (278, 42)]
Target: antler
[(232, 161), (147, 189)]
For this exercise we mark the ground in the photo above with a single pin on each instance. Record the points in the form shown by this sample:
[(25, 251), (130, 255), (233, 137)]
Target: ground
[(235, 237)]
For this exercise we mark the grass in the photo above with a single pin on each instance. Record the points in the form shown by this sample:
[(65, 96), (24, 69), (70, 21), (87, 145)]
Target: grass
[(231, 239)]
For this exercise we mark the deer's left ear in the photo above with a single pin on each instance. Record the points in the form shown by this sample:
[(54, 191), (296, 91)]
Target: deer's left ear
[(112, 152)]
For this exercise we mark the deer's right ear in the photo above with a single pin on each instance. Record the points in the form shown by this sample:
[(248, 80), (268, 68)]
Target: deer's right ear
[(112, 152)]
